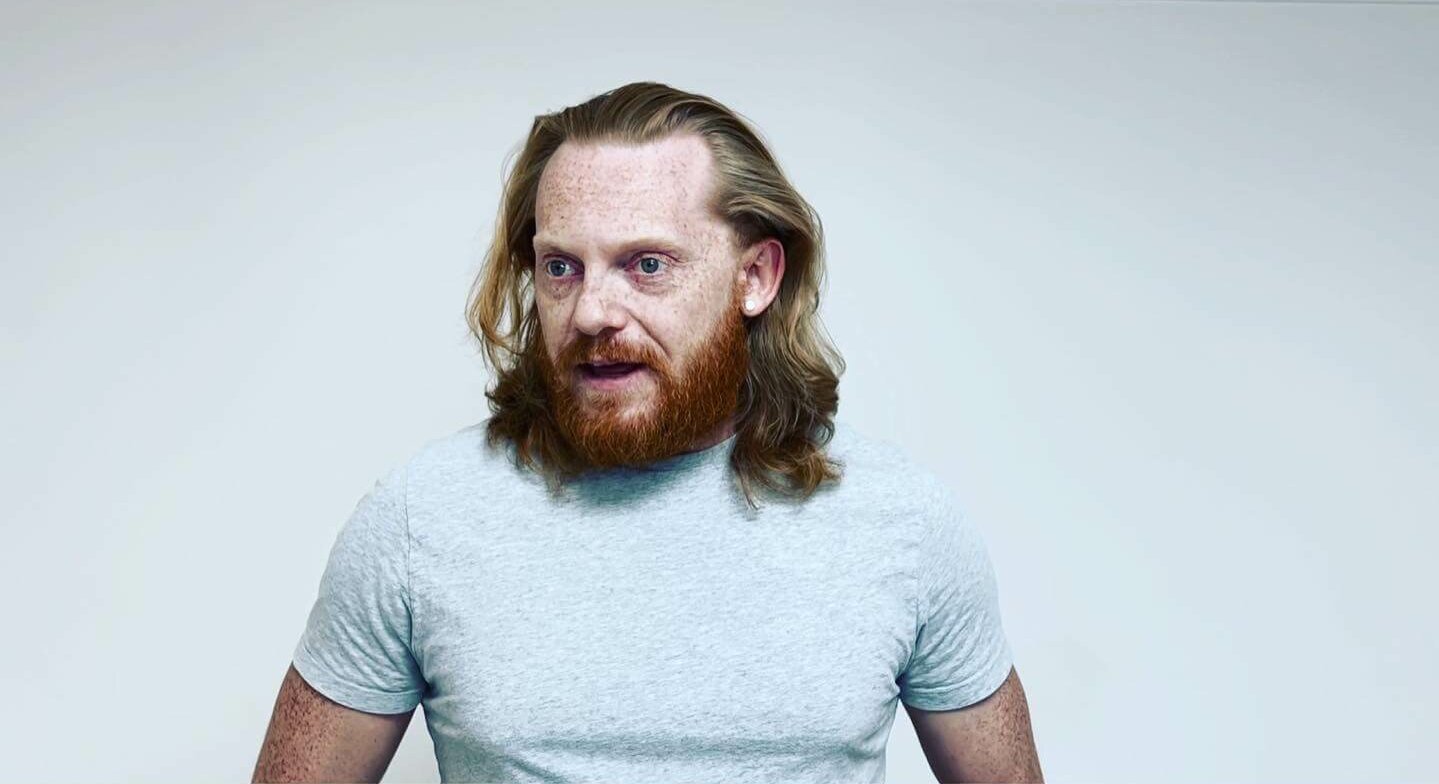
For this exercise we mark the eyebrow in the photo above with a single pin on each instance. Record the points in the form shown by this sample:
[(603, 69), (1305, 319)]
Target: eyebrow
[(546, 245)]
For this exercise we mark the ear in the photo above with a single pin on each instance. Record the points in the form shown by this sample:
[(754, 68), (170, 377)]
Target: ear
[(760, 275)]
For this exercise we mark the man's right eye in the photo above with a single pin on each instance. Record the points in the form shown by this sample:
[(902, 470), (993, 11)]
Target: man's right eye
[(557, 267)]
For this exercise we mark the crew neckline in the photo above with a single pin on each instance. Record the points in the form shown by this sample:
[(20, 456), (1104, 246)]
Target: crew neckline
[(708, 456), (684, 463)]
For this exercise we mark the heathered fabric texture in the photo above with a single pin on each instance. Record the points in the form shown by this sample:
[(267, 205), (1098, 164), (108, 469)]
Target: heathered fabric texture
[(649, 626)]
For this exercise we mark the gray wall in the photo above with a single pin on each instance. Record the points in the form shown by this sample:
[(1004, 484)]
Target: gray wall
[(1152, 285)]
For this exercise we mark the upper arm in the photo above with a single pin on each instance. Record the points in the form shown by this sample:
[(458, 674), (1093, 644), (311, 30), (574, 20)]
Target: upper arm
[(312, 738), (990, 740), (353, 683), (960, 652), (357, 647), (959, 686)]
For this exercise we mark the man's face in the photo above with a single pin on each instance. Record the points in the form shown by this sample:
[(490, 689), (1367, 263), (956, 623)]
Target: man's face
[(632, 269)]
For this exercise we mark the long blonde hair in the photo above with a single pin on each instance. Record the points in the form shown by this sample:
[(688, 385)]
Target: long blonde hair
[(790, 394)]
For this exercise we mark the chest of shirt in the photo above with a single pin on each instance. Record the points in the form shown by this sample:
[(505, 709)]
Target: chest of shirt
[(576, 633)]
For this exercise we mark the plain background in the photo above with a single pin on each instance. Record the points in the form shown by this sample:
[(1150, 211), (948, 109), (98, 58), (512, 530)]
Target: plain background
[(1153, 285)]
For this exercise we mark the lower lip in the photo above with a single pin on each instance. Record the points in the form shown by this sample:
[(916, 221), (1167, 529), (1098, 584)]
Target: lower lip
[(610, 382)]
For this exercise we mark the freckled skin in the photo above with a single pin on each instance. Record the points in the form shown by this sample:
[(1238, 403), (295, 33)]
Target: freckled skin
[(593, 201), (311, 738), (991, 740)]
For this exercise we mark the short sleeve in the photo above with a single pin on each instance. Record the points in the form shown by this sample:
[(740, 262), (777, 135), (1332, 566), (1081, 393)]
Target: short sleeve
[(961, 654), (355, 648)]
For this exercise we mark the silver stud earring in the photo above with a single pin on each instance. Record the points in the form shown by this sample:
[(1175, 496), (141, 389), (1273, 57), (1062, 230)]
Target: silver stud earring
[(749, 304)]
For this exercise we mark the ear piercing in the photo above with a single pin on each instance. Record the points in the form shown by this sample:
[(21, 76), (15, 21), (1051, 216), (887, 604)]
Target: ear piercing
[(749, 304)]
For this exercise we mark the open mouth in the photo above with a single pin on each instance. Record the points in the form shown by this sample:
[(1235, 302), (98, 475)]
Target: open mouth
[(609, 370)]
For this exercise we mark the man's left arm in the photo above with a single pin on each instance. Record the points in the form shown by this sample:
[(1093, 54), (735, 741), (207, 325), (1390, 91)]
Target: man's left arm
[(989, 741)]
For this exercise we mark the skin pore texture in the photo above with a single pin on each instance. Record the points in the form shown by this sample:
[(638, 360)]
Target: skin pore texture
[(632, 267)]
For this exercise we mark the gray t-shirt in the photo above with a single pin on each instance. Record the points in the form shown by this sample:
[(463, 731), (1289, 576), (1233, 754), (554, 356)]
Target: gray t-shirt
[(648, 625)]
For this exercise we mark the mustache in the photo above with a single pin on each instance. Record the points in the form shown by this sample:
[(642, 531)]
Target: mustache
[(594, 352)]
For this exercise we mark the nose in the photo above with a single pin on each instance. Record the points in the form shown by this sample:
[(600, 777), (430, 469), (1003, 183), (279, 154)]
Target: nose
[(598, 308)]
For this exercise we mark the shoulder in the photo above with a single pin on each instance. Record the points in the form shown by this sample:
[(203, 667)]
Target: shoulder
[(879, 458), (875, 466), (465, 445), (466, 450), (462, 464)]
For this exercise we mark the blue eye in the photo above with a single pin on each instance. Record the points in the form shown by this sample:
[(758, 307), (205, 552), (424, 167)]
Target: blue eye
[(561, 262), (647, 267)]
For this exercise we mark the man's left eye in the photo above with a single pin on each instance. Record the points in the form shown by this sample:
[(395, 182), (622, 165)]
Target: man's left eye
[(650, 264)]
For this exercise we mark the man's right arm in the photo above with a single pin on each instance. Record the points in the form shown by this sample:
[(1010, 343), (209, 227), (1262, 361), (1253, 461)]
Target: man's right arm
[(313, 738)]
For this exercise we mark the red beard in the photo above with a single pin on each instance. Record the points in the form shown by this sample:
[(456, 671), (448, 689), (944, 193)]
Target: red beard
[(680, 409)]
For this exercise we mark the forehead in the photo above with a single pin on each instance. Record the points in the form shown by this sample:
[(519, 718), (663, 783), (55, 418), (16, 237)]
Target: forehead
[(602, 191)]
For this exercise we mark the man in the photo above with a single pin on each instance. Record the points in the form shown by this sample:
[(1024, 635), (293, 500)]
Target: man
[(660, 559)]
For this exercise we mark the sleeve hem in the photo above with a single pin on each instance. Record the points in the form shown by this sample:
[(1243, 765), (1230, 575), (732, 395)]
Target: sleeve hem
[(359, 699), (961, 695)]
